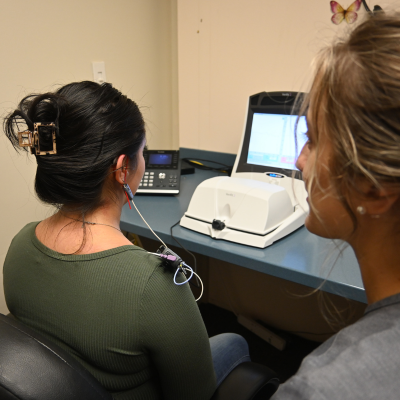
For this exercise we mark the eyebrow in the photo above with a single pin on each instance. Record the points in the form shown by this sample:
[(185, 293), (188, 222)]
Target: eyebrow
[(308, 127), (307, 119)]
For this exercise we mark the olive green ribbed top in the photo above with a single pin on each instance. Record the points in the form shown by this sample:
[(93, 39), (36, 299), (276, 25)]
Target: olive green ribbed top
[(118, 312)]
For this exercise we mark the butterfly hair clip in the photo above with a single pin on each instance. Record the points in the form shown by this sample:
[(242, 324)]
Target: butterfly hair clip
[(339, 13)]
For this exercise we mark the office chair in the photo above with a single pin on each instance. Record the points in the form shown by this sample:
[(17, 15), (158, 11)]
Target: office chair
[(34, 368)]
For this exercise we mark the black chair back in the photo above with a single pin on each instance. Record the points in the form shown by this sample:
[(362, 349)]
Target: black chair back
[(33, 368)]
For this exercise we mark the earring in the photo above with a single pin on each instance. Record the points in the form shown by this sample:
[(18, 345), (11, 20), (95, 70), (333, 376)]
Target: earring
[(361, 210), (375, 216)]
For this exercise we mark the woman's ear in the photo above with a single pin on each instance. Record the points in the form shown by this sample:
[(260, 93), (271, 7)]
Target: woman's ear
[(121, 168), (378, 201), (383, 202)]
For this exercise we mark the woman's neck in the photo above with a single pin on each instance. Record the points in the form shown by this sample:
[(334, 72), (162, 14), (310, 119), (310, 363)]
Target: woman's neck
[(74, 233), (377, 251), (105, 215)]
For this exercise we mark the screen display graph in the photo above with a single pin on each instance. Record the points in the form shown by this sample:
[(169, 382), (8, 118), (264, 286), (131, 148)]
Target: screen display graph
[(272, 140)]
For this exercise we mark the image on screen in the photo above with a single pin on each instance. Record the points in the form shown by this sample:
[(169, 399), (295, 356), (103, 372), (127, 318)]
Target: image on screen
[(160, 159), (272, 140)]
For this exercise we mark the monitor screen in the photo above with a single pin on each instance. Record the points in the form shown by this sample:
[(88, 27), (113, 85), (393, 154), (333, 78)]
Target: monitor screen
[(160, 159), (272, 140)]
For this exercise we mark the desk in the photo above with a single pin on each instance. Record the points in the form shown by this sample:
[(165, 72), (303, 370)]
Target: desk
[(300, 257)]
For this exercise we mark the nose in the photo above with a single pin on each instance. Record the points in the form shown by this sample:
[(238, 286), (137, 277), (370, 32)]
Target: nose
[(302, 159)]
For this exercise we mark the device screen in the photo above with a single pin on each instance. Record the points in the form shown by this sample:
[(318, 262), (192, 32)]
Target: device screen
[(160, 159), (272, 140)]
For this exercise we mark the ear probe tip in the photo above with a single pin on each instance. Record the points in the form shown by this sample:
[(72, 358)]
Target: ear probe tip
[(128, 191)]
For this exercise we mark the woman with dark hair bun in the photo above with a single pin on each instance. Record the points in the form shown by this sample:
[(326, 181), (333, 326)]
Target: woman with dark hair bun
[(74, 276)]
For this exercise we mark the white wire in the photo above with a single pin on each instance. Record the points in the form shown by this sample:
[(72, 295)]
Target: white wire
[(202, 286), (188, 279), (186, 266), (141, 216)]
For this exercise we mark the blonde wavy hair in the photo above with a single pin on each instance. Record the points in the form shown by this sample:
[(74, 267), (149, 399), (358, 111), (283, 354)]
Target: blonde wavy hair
[(355, 99)]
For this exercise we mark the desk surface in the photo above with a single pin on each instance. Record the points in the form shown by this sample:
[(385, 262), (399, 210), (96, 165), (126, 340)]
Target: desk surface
[(300, 257)]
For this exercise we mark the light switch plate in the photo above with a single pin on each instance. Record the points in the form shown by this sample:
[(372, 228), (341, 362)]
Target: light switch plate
[(99, 71)]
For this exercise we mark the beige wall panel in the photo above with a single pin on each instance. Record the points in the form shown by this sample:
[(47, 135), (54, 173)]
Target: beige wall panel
[(231, 49), (46, 43)]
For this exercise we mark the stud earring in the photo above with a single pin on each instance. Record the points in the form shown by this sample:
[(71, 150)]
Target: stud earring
[(361, 210)]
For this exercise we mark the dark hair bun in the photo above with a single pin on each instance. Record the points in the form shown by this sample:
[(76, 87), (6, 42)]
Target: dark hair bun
[(94, 124)]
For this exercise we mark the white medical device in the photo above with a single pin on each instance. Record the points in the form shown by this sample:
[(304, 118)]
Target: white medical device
[(265, 197)]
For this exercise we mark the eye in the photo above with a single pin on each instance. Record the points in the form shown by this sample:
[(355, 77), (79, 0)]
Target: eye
[(309, 142)]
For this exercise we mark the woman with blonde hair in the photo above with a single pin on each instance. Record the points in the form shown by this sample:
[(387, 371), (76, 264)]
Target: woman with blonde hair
[(351, 167)]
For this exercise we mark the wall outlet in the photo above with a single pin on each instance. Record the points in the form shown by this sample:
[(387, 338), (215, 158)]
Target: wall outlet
[(99, 71)]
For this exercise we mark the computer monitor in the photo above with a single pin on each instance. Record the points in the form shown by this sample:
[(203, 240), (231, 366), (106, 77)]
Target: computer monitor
[(269, 143)]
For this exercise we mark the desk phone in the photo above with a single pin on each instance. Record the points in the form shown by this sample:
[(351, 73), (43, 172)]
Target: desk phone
[(162, 172)]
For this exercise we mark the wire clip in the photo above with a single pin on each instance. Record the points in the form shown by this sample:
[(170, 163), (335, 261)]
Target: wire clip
[(165, 251), (167, 257)]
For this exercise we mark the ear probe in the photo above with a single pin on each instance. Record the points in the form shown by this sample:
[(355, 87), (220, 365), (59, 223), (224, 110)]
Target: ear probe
[(164, 252)]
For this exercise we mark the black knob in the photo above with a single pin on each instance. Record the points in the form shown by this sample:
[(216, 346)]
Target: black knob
[(218, 225)]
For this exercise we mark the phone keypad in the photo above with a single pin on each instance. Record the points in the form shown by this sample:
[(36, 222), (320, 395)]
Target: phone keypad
[(147, 180), (159, 178)]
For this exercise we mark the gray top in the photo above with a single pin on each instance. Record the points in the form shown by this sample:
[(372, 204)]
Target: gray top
[(360, 362)]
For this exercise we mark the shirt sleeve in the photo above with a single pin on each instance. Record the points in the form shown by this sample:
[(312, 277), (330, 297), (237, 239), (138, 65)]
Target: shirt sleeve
[(297, 389), (174, 335)]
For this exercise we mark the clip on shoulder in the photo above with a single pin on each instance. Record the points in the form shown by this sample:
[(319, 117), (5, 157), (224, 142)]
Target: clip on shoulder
[(175, 263), (170, 257)]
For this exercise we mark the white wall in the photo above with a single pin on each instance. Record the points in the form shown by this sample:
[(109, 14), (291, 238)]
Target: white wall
[(45, 43), (231, 49)]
